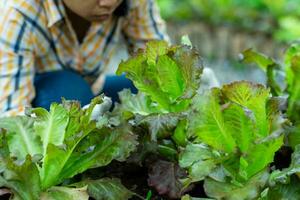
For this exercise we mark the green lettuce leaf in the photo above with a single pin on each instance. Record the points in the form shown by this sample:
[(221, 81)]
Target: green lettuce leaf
[(50, 126), (209, 125), (100, 148), (52, 146), (252, 97), (22, 178), (57, 154), (292, 66), (290, 190), (21, 137), (137, 104), (106, 189), (241, 122), (230, 191), (65, 193), (199, 160), (268, 65)]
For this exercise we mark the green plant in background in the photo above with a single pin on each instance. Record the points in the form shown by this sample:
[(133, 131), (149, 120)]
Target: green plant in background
[(279, 18)]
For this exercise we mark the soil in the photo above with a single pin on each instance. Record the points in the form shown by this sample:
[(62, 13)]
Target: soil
[(134, 177)]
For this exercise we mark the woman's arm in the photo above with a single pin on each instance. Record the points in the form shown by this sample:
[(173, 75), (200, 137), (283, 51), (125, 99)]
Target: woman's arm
[(143, 23), (16, 64)]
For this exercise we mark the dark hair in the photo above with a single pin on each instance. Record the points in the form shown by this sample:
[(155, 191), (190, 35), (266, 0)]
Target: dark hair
[(122, 10)]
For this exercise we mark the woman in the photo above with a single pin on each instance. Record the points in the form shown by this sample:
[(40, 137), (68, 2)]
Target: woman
[(59, 48)]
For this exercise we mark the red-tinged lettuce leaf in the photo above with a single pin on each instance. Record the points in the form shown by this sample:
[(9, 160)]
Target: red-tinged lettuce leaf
[(191, 67), (165, 177), (65, 193), (143, 111), (253, 97), (106, 189), (160, 125), (228, 190), (145, 148), (170, 76)]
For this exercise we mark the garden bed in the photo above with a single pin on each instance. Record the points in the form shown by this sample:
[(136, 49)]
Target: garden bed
[(171, 140)]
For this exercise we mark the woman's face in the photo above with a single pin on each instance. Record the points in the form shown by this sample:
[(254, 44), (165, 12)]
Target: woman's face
[(93, 10)]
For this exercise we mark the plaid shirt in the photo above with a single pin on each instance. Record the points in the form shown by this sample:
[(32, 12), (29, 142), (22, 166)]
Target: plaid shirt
[(36, 36)]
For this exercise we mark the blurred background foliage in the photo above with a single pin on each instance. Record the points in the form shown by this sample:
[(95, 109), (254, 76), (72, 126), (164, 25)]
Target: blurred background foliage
[(280, 18), (221, 29)]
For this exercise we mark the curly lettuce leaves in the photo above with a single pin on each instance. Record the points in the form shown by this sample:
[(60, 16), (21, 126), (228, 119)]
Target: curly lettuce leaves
[(289, 87), (167, 78), (63, 142), (242, 128), (208, 125), (170, 76)]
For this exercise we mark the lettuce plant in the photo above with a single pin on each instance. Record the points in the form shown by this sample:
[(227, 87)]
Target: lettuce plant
[(283, 183), (44, 148), (237, 130), (288, 88), (167, 78)]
